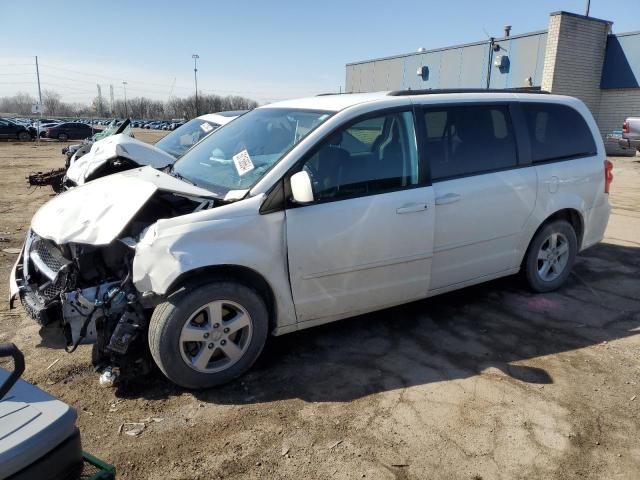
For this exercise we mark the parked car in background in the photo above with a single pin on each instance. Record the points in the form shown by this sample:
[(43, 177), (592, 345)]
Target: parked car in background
[(70, 131), (630, 134), (121, 152), (73, 152), (41, 128), (11, 130), (308, 211)]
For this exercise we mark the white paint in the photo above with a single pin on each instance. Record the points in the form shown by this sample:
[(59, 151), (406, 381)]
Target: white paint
[(115, 146), (97, 212)]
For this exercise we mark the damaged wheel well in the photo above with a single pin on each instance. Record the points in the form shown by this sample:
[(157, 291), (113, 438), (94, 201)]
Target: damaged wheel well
[(244, 275)]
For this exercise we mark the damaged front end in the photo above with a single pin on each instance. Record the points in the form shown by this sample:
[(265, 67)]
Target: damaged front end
[(74, 273), (87, 292)]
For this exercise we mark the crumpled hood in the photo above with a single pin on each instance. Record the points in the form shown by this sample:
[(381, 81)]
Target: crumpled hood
[(121, 145), (96, 213)]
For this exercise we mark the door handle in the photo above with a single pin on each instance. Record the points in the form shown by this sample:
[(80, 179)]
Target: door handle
[(412, 207), (448, 198)]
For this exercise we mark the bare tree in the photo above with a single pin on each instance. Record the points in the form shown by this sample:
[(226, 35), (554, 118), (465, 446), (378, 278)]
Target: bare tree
[(138, 107), (52, 102), (19, 104)]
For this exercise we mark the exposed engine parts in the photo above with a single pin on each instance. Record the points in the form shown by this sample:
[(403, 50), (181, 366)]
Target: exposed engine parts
[(87, 290), (53, 178)]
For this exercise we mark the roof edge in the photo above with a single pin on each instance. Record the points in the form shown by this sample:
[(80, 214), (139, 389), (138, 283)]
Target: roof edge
[(577, 15), (451, 47)]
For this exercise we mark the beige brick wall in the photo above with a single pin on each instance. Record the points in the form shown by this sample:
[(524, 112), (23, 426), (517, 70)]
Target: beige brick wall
[(573, 66), (574, 57), (616, 105)]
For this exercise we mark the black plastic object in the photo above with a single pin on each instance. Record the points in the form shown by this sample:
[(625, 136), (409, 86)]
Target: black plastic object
[(124, 125), (10, 350)]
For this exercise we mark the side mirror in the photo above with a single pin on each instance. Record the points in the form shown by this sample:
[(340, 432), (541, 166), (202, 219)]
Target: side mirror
[(301, 188)]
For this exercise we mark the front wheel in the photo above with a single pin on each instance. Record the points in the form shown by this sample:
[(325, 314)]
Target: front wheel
[(24, 136), (209, 335), (551, 256)]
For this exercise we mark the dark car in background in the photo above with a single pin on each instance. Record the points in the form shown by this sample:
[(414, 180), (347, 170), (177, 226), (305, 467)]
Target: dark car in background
[(70, 130), (16, 131)]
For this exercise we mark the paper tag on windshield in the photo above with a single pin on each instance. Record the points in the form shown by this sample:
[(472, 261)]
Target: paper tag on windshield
[(243, 162), (206, 127)]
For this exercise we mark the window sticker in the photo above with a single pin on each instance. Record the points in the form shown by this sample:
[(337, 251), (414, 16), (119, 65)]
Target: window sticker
[(243, 162), (206, 128)]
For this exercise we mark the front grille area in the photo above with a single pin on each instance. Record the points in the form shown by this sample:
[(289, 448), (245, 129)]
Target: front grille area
[(52, 291), (49, 253)]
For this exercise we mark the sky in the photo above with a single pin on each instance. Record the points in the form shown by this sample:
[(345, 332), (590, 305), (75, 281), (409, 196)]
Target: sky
[(265, 50)]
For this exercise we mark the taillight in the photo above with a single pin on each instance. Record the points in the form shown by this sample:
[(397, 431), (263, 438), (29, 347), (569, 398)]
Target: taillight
[(49, 130), (608, 175), (625, 127)]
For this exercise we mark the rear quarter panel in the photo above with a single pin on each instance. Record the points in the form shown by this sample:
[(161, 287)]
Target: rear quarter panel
[(576, 184)]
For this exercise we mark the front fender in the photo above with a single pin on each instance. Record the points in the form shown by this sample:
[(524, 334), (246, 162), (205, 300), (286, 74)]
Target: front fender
[(256, 242)]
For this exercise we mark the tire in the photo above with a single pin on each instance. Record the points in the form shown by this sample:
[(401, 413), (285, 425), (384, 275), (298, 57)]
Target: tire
[(546, 268), (24, 136), (183, 316), (63, 137)]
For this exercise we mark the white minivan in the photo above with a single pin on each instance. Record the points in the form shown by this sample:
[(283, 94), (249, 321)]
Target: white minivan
[(307, 211)]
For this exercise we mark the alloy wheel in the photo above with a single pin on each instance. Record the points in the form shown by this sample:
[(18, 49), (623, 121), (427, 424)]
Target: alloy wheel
[(553, 257), (216, 336)]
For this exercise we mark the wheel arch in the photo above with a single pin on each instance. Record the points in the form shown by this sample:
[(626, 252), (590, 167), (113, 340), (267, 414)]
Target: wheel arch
[(570, 215), (241, 274)]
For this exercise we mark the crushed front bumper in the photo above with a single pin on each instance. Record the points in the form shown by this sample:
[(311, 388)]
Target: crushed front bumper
[(14, 289), (41, 302)]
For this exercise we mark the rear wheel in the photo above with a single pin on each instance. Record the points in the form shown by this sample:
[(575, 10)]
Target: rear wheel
[(551, 256), (63, 137), (209, 335)]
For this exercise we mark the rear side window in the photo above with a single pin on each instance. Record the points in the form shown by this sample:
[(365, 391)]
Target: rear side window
[(556, 132), (468, 140)]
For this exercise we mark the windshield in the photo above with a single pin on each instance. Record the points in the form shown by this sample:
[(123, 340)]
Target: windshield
[(184, 137), (236, 156)]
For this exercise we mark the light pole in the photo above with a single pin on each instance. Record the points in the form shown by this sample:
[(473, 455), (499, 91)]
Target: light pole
[(195, 77), (126, 111)]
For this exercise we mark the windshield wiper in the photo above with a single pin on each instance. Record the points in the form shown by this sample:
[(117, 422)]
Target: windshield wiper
[(175, 174)]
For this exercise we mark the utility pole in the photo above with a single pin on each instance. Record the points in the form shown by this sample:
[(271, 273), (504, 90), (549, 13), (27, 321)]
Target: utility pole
[(588, 7), (126, 111), (195, 76), (39, 102), (99, 106), (112, 100)]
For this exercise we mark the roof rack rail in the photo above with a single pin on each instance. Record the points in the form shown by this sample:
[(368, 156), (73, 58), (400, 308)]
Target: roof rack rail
[(434, 91)]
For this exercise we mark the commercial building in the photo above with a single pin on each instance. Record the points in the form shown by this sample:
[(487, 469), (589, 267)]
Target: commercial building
[(576, 55)]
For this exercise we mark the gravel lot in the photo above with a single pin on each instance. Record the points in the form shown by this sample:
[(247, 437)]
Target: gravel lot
[(491, 382)]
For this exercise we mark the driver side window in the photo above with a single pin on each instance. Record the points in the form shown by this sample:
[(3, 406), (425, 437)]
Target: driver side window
[(372, 156)]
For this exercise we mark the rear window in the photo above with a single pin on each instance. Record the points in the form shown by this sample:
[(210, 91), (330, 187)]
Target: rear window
[(556, 132)]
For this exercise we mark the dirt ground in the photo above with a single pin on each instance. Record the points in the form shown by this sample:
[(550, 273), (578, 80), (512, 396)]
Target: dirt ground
[(491, 382)]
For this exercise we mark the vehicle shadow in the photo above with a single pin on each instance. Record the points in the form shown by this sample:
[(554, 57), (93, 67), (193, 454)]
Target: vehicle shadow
[(499, 324)]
